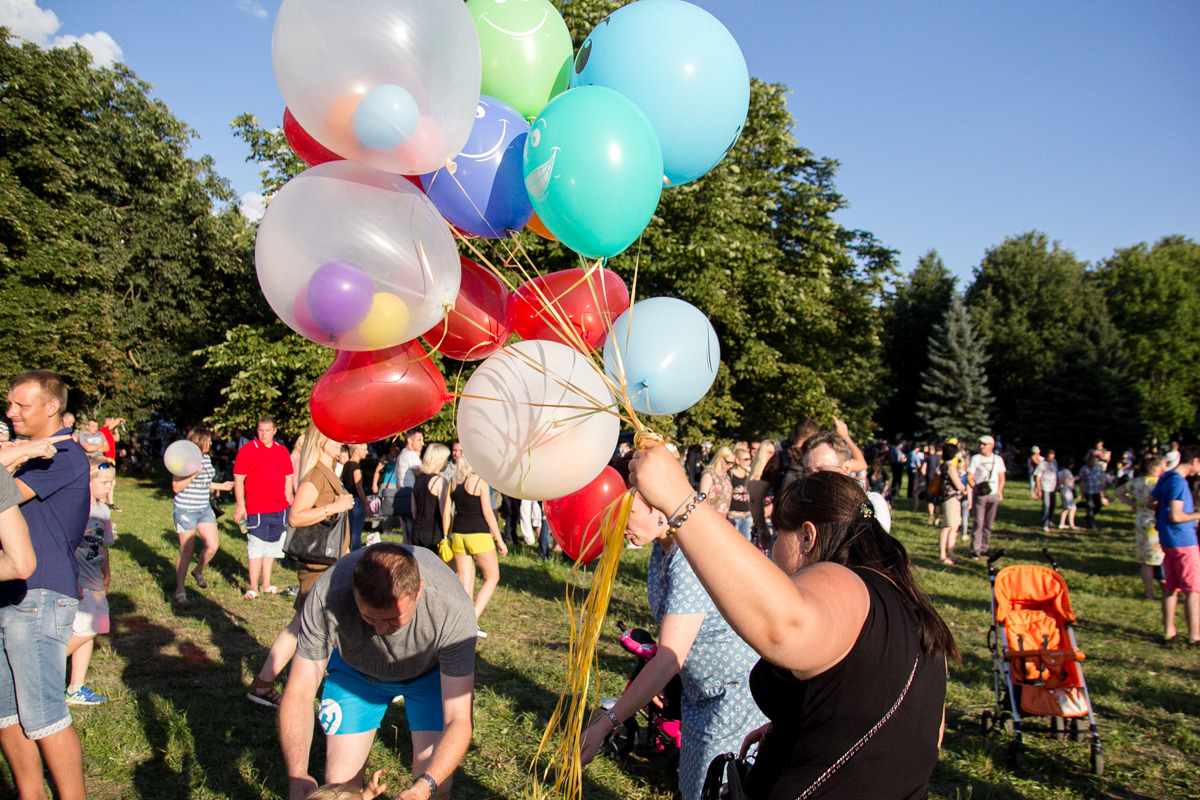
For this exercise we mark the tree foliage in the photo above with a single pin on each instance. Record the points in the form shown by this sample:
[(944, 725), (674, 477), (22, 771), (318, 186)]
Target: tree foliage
[(120, 256), (912, 310), (954, 399), (1153, 295)]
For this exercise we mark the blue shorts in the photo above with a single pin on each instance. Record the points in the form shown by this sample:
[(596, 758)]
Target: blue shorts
[(353, 703), (34, 635), (267, 527), (188, 519)]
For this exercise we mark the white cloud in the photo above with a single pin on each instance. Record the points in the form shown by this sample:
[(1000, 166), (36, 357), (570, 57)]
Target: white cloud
[(37, 25), (253, 206), (104, 50), (251, 7)]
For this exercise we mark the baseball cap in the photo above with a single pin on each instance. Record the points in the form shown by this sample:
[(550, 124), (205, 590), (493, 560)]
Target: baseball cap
[(1172, 459), (985, 439), (1035, 449)]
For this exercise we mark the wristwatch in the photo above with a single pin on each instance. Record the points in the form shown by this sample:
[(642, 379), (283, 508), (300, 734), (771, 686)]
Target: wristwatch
[(433, 785)]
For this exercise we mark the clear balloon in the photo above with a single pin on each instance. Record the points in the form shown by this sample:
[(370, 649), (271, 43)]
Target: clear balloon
[(182, 458), (576, 519), (367, 396), (535, 420), (482, 191), (478, 324), (593, 170), (585, 301), (668, 353), (683, 68), (391, 85), (526, 49), (306, 148), (380, 223)]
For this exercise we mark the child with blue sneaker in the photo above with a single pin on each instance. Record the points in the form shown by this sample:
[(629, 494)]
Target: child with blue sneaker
[(91, 618)]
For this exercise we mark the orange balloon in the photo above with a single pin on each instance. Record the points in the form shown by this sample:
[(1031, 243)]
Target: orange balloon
[(339, 121), (539, 228)]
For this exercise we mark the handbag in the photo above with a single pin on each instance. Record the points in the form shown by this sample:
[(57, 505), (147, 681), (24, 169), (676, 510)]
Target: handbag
[(732, 770), (445, 550), (316, 544), (985, 488), (935, 485)]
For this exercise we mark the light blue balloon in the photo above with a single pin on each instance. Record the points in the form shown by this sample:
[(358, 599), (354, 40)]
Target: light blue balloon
[(683, 68), (669, 351), (386, 117), (593, 170)]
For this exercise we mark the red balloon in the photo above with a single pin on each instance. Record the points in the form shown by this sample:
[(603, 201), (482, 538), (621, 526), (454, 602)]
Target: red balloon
[(477, 326), (366, 396), (575, 519), (587, 304), (309, 150)]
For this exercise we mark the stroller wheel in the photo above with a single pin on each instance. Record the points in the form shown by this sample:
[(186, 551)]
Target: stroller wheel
[(986, 723), (1016, 755), (1005, 721), (1074, 729), (1097, 762)]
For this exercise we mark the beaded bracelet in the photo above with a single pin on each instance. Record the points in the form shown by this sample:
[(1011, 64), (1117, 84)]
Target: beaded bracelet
[(608, 712), (674, 524)]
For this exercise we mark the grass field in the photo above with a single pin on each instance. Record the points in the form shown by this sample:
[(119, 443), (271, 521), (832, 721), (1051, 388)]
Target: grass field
[(177, 724)]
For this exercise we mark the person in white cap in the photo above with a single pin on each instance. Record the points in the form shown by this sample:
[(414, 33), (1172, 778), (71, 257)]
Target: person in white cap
[(985, 475)]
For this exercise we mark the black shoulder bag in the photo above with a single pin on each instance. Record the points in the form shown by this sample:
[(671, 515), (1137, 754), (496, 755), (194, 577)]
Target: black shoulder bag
[(316, 544)]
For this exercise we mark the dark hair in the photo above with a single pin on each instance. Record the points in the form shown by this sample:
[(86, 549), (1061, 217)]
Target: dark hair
[(621, 465), (1148, 462), (949, 452), (804, 429), (49, 383), (267, 419), (834, 504), (385, 573), (1189, 454)]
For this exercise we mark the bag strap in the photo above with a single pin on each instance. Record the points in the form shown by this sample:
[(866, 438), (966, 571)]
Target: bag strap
[(866, 737)]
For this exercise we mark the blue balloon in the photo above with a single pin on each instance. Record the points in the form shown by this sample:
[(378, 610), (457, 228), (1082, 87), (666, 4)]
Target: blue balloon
[(669, 352), (485, 194), (683, 68), (386, 117)]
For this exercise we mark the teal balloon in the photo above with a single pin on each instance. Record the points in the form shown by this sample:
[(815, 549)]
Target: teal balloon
[(593, 170), (668, 352), (682, 67)]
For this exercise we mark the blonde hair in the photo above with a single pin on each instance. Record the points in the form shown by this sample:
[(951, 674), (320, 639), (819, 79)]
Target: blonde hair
[(310, 454), (723, 452), (462, 471), (99, 462), (766, 449), (335, 791), (436, 455)]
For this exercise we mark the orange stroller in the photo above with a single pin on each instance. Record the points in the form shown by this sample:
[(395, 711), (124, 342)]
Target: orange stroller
[(1035, 659)]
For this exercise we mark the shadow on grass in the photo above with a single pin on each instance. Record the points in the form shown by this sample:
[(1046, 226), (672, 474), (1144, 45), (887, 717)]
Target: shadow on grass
[(190, 703)]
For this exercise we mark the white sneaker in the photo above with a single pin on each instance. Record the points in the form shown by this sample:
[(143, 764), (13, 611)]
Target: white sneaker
[(481, 633)]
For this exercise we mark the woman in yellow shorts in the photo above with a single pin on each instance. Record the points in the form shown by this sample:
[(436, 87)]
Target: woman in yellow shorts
[(474, 535)]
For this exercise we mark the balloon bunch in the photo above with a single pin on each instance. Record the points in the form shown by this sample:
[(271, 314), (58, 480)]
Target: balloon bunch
[(430, 124)]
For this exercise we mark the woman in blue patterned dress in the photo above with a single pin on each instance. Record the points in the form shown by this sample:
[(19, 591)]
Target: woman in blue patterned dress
[(695, 642)]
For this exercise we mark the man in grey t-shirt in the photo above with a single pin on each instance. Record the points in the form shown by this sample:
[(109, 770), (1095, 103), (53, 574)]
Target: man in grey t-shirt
[(384, 621)]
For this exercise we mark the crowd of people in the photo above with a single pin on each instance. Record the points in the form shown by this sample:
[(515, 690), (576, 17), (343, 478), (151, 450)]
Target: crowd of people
[(793, 618)]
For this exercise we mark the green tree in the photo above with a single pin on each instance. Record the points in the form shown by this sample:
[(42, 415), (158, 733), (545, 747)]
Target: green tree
[(954, 398), (120, 256), (1153, 295), (1034, 304), (913, 308)]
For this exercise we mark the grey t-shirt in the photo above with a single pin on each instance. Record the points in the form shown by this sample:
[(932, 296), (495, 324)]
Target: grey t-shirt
[(93, 439), (442, 632), (10, 495)]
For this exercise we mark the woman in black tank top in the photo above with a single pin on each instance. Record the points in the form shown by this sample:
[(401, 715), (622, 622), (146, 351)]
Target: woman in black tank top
[(474, 534), (853, 667), (429, 496)]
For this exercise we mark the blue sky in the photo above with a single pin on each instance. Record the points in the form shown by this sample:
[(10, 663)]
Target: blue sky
[(956, 123)]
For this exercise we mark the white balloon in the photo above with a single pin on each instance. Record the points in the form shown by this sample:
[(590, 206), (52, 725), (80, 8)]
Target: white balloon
[(380, 222), (536, 420), (330, 54), (182, 458)]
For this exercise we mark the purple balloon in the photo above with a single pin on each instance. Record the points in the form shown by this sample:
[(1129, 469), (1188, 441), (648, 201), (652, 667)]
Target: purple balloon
[(339, 296)]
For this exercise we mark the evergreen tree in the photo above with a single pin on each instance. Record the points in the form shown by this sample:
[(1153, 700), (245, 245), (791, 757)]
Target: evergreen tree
[(911, 312), (955, 400)]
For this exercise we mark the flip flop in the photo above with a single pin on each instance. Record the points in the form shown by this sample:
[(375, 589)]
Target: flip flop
[(203, 584), (181, 597), (264, 694), (250, 595), (272, 589)]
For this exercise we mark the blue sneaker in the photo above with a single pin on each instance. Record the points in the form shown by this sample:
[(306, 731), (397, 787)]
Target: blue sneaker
[(85, 697)]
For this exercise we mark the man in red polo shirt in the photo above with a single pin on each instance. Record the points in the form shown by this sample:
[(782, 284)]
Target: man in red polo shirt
[(262, 485)]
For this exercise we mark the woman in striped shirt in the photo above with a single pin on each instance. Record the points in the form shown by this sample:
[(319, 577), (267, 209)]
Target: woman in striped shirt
[(193, 512)]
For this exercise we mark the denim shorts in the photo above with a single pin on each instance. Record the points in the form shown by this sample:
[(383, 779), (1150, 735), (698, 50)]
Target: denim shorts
[(188, 519), (353, 703), (34, 635)]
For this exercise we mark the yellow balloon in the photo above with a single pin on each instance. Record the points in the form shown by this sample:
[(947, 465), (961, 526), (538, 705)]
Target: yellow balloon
[(385, 323)]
